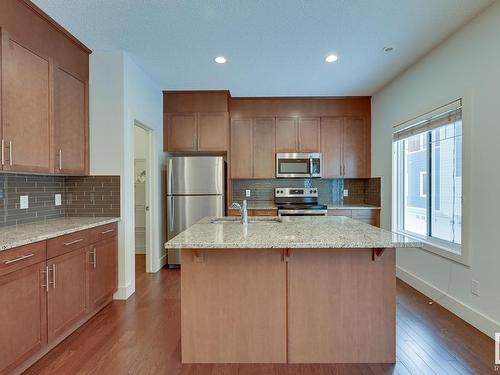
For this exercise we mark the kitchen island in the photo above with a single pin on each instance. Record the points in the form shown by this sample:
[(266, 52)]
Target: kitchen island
[(300, 290)]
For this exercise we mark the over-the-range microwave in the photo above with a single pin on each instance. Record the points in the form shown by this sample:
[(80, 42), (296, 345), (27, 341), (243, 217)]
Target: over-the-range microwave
[(298, 165)]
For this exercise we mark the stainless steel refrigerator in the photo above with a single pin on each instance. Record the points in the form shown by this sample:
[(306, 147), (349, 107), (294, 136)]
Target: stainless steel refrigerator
[(195, 189)]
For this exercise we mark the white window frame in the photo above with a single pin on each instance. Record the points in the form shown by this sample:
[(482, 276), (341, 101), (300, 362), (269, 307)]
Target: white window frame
[(421, 181), (455, 252)]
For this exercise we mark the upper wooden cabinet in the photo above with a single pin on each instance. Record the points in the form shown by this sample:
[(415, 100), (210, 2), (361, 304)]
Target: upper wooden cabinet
[(356, 148), (26, 112), (213, 132), (241, 148), (286, 134), (196, 132), (252, 148), (70, 123), (331, 146), (345, 145), (261, 127), (297, 134), (308, 134), (263, 159), (181, 132), (196, 121), (44, 93)]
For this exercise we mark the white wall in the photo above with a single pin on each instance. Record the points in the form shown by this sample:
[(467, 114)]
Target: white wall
[(144, 103), (120, 94), (466, 65)]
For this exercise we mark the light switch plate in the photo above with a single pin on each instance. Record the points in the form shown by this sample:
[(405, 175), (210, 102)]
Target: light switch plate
[(23, 202), (475, 287), (346, 193), (58, 199), (248, 193)]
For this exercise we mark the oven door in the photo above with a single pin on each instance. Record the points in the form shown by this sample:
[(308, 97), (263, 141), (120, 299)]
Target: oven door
[(301, 212), (293, 165)]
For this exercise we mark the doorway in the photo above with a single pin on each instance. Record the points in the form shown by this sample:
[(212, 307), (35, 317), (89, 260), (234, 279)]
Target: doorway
[(142, 186)]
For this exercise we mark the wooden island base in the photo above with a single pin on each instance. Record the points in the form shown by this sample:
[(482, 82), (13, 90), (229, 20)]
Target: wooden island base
[(288, 306)]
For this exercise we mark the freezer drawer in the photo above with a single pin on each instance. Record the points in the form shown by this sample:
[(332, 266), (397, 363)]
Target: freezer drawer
[(195, 175), (184, 211)]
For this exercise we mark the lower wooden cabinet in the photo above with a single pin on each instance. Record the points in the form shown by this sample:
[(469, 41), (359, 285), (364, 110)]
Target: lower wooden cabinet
[(42, 301), (102, 271), (368, 216), (254, 212), (23, 316), (67, 292)]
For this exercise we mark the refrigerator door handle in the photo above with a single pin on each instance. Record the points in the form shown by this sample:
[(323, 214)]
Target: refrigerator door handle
[(171, 213)]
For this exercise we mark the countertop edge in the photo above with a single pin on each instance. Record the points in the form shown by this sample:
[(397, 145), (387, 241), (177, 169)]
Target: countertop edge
[(56, 233), (294, 246)]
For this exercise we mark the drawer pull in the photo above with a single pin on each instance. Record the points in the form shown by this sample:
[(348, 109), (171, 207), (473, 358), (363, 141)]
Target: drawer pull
[(108, 231), (94, 261), (53, 276), (18, 259), (46, 273), (73, 242)]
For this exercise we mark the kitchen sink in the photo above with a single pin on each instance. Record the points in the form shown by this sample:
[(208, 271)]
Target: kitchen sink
[(253, 219)]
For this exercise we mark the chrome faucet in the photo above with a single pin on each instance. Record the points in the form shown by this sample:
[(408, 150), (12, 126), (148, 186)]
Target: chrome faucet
[(243, 211)]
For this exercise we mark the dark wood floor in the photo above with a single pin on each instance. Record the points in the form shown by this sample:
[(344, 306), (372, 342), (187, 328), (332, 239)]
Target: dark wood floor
[(142, 336)]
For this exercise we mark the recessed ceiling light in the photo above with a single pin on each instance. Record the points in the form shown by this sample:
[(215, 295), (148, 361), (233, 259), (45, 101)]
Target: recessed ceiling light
[(387, 49), (331, 58), (220, 60)]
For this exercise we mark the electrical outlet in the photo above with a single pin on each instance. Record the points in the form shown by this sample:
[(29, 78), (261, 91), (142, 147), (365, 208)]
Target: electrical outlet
[(23, 202), (475, 287), (248, 193), (346, 193), (58, 199)]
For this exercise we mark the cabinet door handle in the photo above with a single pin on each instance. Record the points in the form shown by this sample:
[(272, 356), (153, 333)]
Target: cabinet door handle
[(10, 152), (53, 276), (60, 159), (94, 260), (46, 272), (73, 242), (18, 259), (107, 231), (3, 152)]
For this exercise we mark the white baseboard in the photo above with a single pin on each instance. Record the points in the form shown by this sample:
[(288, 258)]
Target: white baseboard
[(124, 292), (477, 319), (159, 263)]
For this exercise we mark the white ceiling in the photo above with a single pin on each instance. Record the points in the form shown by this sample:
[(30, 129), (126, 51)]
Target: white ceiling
[(273, 47)]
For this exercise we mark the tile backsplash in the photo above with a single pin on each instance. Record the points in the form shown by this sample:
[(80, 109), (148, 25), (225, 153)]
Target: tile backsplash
[(81, 196), (40, 189), (361, 191), (263, 190), (95, 196)]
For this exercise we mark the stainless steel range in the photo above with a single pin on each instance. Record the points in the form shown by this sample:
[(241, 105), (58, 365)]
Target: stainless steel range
[(298, 202)]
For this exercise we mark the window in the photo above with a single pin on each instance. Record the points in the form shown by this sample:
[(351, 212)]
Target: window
[(428, 177)]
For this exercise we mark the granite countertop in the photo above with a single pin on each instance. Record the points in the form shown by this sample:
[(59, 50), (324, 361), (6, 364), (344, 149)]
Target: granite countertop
[(292, 232), (23, 234)]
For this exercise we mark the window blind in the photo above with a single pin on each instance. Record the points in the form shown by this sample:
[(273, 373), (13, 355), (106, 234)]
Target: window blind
[(447, 114)]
